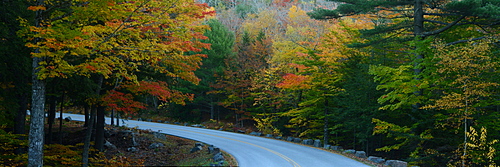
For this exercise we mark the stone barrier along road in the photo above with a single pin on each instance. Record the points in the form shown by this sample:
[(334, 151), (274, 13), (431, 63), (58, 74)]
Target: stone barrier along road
[(249, 150)]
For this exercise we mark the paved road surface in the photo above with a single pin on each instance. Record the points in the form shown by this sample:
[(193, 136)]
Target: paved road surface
[(249, 151)]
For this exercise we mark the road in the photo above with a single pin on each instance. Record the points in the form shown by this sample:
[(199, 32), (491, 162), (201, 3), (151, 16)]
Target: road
[(249, 151)]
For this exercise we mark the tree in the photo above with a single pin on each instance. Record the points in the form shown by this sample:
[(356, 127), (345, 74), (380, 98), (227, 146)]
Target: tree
[(15, 73), (463, 84), (221, 42), (114, 40)]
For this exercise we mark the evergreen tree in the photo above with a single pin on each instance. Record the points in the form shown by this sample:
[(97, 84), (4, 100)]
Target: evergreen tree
[(221, 42), (402, 40)]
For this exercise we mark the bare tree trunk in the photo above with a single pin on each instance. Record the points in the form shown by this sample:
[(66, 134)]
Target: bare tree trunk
[(20, 119), (86, 143), (211, 107), (112, 117), (52, 116), (61, 120), (86, 112), (326, 134), (36, 134), (418, 30), (88, 135), (99, 136), (117, 119)]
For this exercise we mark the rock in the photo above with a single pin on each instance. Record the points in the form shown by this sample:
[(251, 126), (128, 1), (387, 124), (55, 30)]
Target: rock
[(109, 145), (197, 125), (109, 133), (67, 119), (129, 136), (297, 140), (317, 143), (155, 145), (132, 149), (129, 118), (166, 122), (350, 151), (307, 141), (240, 131), (396, 163), (199, 144), (186, 124), (159, 121), (218, 157), (196, 148), (125, 133), (256, 133), (213, 150), (139, 119), (336, 148), (279, 137), (289, 138), (159, 135), (134, 143), (177, 123), (149, 120), (360, 154), (269, 135), (327, 146), (376, 159)]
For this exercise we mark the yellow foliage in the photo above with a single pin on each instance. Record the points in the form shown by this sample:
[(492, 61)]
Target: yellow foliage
[(460, 69), (265, 124)]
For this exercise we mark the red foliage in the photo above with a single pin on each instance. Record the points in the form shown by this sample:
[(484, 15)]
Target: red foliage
[(160, 90), (123, 102)]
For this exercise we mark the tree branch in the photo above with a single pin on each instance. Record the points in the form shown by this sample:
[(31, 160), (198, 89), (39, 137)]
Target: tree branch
[(425, 34), (465, 40)]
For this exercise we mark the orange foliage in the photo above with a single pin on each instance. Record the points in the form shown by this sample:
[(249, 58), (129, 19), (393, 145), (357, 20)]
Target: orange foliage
[(293, 81)]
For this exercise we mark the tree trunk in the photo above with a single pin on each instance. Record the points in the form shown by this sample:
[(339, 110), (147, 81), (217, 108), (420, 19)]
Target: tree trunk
[(325, 127), (211, 107), (99, 136), (61, 120), (88, 134), (36, 134), (418, 30), (20, 119), (112, 117), (117, 119), (86, 112), (52, 116)]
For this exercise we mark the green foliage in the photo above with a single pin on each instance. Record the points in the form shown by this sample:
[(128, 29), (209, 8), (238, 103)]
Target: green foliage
[(484, 8), (15, 61), (399, 133), (401, 85), (244, 9)]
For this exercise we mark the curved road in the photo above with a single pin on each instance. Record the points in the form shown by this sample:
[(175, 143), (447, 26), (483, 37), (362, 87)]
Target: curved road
[(249, 151)]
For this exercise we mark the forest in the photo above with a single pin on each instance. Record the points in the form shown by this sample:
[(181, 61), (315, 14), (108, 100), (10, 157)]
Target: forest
[(416, 80)]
